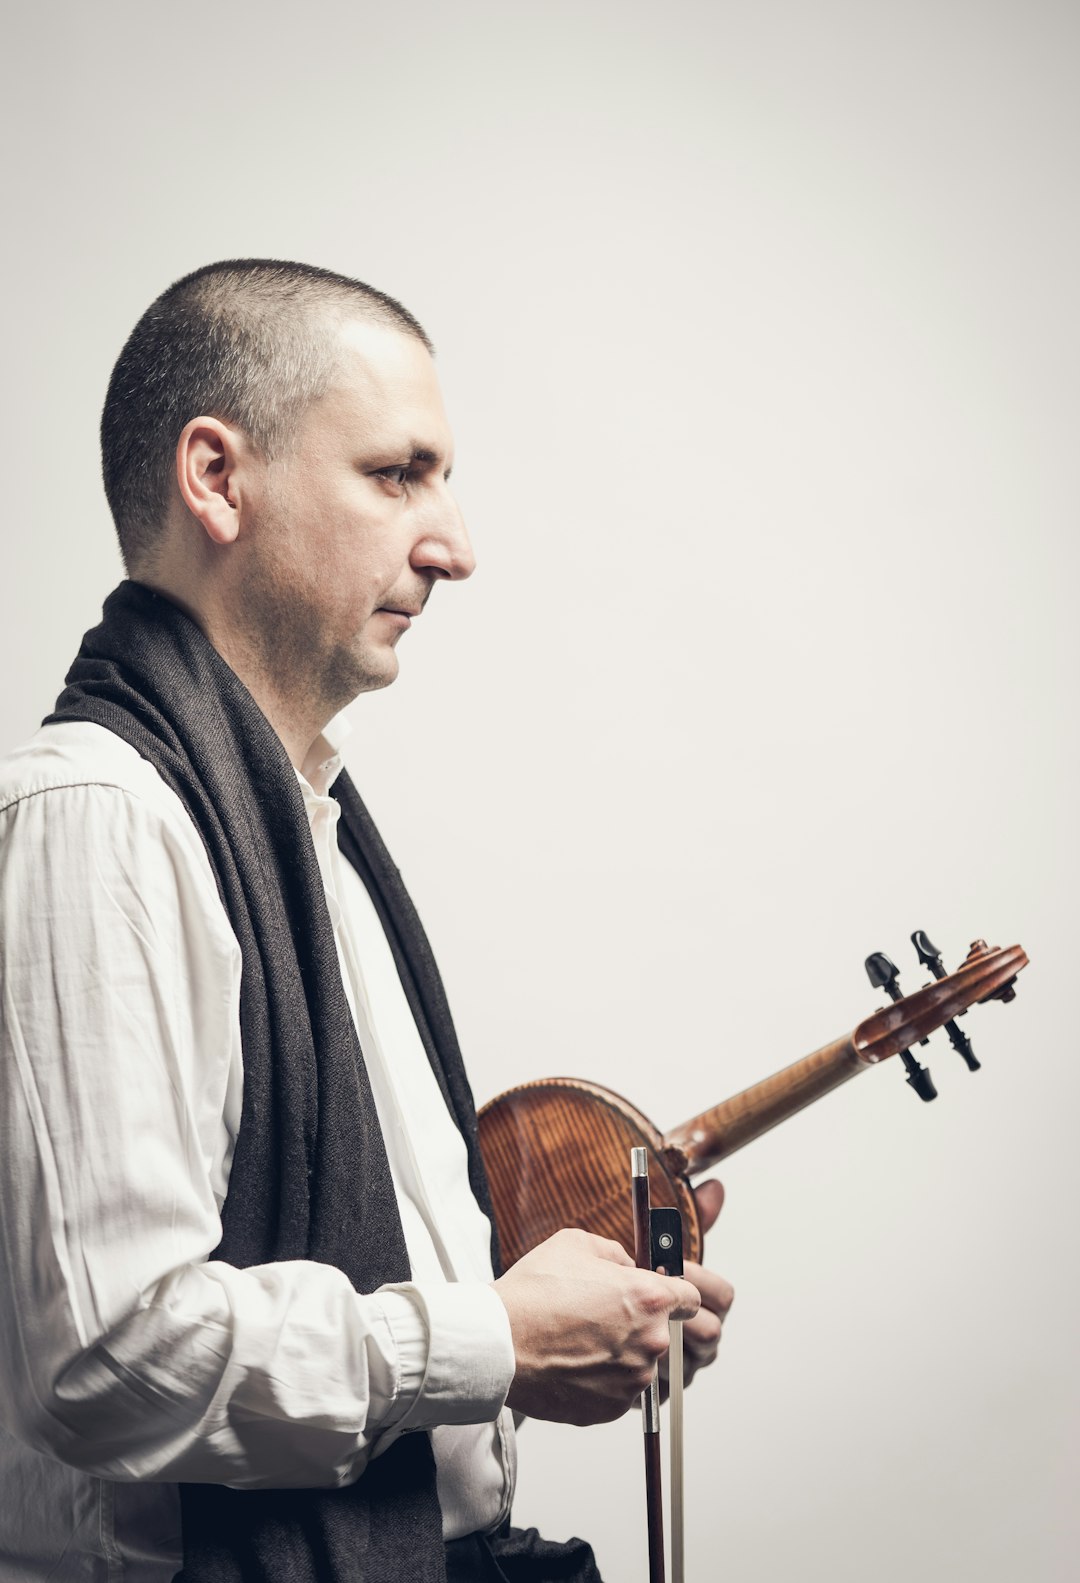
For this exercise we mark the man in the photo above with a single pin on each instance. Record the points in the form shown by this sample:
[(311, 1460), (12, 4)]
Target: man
[(250, 1326)]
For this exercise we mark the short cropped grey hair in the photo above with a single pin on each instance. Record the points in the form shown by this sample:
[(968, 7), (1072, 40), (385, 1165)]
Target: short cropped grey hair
[(249, 341)]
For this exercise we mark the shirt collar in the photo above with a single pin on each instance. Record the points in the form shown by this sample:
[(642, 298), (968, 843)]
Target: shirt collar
[(322, 764)]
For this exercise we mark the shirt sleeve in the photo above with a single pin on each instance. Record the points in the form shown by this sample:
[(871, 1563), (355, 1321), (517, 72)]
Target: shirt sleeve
[(122, 1350)]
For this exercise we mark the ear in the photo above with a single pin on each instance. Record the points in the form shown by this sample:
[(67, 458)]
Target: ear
[(207, 465)]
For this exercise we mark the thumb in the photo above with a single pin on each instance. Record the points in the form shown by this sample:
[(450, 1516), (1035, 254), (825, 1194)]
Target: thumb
[(684, 1300), (710, 1200)]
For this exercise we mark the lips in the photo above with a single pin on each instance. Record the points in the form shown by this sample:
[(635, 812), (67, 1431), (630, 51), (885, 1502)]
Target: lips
[(401, 616)]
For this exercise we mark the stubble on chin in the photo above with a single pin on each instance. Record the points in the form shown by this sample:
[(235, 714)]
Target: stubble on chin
[(287, 642)]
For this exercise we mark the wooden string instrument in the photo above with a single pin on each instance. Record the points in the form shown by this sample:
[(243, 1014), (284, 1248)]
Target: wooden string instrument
[(556, 1150)]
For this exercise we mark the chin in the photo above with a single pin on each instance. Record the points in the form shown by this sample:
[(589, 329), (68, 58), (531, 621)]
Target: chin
[(364, 673)]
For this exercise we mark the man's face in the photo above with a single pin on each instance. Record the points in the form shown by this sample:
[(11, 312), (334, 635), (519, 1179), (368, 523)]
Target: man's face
[(349, 532)]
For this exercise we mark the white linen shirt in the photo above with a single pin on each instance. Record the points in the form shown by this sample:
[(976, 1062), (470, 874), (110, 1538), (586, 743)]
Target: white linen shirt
[(128, 1360)]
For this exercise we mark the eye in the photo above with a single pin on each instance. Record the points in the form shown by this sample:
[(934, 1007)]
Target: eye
[(398, 476)]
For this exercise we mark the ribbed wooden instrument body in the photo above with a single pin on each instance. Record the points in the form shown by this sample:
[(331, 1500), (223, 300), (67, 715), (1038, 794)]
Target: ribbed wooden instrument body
[(557, 1153)]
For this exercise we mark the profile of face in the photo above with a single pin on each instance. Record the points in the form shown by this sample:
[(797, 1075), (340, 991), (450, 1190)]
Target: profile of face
[(344, 536)]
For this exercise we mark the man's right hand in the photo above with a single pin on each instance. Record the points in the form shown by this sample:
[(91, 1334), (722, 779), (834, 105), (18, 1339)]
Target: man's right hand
[(588, 1327)]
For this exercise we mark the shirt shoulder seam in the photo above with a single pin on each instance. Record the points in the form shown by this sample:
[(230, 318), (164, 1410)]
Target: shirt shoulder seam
[(68, 785)]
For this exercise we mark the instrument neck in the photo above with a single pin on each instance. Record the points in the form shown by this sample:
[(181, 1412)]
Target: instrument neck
[(704, 1140)]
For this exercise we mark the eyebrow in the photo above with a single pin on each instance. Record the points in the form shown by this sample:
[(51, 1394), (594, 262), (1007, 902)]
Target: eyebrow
[(422, 454)]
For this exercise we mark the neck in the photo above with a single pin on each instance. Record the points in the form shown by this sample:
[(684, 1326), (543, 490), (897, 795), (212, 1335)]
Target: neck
[(288, 698)]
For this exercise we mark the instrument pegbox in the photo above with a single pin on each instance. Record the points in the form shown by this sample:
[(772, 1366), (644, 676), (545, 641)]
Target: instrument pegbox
[(930, 957), (884, 974)]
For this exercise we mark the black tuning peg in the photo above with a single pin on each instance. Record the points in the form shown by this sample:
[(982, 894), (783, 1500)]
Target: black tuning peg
[(962, 1045), (884, 974), (928, 953), (930, 957), (918, 1076)]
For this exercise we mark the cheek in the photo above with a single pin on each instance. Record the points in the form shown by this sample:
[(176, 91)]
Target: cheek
[(367, 563), (353, 584), (338, 561)]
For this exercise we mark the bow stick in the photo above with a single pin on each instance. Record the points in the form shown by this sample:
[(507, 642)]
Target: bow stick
[(658, 1247), (667, 1259), (650, 1400)]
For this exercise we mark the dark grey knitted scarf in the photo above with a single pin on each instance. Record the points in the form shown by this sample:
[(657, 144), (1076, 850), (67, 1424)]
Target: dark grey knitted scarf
[(310, 1178)]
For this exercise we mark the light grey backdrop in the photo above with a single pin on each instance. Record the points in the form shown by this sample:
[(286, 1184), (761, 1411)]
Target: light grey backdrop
[(758, 325)]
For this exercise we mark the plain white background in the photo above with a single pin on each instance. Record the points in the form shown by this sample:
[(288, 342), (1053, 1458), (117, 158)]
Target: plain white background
[(758, 327)]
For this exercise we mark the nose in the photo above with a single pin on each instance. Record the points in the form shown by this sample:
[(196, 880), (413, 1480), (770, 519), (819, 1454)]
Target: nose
[(443, 546)]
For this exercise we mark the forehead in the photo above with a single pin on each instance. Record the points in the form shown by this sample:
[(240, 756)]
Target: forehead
[(385, 389)]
